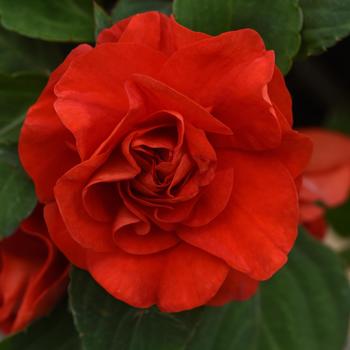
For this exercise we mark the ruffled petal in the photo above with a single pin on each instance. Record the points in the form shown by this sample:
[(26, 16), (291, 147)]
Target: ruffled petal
[(197, 70), (280, 96), (43, 133), (229, 74), (133, 279), (81, 226), (191, 277), (259, 225), (154, 241), (294, 152), (145, 280), (74, 252), (157, 96), (163, 33), (237, 286), (91, 99), (214, 198)]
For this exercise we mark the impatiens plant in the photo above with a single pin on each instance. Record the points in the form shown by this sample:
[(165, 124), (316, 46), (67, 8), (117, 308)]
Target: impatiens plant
[(152, 179)]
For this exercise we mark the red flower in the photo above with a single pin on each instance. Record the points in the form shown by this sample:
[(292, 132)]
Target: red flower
[(167, 161), (327, 178), (33, 274)]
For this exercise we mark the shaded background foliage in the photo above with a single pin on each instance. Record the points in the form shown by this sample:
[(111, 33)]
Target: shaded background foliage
[(306, 305)]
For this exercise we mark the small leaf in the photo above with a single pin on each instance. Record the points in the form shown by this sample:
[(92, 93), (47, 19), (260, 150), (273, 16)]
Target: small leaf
[(126, 8), (17, 195), (55, 332), (54, 20), (19, 54), (17, 93), (102, 19), (278, 21), (304, 306), (325, 23)]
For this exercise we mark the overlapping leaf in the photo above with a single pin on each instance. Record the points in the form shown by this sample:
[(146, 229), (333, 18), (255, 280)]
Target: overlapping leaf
[(20, 54), (17, 196), (325, 23), (54, 20)]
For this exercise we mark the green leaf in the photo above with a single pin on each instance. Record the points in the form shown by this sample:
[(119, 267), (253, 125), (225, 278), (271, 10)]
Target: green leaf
[(339, 219), (17, 93), (54, 20), (17, 195), (126, 8), (325, 23), (18, 54), (55, 332), (278, 21), (305, 306), (102, 19)]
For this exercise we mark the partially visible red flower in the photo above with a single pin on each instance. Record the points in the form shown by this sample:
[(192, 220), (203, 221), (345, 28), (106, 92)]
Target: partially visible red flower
[(167, 162), (33, 274), (326, 182)]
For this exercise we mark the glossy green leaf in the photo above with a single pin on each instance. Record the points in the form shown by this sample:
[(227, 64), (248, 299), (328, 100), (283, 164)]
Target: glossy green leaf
[(339, 219), (19, 54), (17, 196), (278, 21), (126, 8), (325, 23), (17, 93), (55, 332), (53, 20), (102, 19), (305, 306)]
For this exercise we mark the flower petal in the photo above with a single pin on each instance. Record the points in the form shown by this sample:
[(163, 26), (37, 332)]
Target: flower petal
[(154, 241), (158, 96), (133, 279), (163, 33), (237, 286), (280, 96), (81, 226), (144, 280), (215, 196), (191, 277), (43, 133), (91, 99), (259, 225), (197, 70), (74, 252), (294, 152)]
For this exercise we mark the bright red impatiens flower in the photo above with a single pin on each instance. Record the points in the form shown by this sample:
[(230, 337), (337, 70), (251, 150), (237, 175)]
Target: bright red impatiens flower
[(167, 163), (33, 274), (327, 178)]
